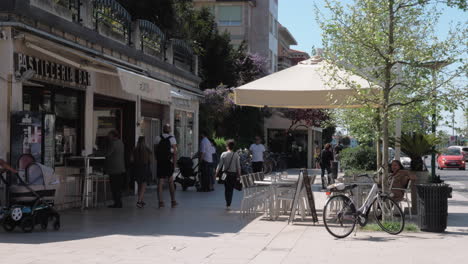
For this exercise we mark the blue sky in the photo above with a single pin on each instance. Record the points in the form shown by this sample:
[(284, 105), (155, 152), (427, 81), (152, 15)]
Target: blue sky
[(299, 17)]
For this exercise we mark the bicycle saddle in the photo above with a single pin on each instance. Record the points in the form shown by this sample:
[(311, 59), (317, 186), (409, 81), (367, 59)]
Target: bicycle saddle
[(340, 187)]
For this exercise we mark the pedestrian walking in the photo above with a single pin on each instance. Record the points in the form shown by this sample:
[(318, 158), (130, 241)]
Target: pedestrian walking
[(229, 169), (257, 150), (215, 159), (206, 162), (166, 155), (317, 155), (141, 159), (337, 150), (326, 158), (115, 166)]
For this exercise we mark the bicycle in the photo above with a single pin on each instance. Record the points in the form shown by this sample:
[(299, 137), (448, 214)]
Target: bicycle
[(340, 213)]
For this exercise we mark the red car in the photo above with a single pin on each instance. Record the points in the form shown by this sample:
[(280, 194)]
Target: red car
[(451, 158)]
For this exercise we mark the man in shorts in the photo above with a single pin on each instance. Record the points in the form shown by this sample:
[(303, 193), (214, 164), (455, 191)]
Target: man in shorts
[(166, 157)]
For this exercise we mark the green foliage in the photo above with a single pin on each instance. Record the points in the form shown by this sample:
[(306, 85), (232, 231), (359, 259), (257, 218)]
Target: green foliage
[(391, 43), (220, 144), (361, 158), (416, 146), (409, 227)]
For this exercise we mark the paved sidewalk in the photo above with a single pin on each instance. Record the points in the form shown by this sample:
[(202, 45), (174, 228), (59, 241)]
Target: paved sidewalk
[(201, 231)]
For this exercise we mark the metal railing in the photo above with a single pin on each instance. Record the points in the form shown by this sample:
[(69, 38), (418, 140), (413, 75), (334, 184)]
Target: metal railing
[(151, 37), (111, 14), (183, 54)]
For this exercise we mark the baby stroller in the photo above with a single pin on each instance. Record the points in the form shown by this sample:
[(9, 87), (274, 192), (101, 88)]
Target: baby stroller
[(187, 176), (31, 199)]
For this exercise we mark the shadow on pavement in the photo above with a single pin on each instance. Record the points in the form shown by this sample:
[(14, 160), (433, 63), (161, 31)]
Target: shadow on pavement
[(198, 215)]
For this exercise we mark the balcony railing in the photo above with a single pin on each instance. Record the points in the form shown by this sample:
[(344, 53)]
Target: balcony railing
[(152, 39), (112, 19), (183, 54)]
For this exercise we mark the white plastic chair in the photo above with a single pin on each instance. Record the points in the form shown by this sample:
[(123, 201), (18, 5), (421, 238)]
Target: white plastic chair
[(406, 198)]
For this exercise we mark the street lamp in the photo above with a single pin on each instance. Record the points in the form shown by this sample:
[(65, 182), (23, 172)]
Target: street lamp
[(434, 66)]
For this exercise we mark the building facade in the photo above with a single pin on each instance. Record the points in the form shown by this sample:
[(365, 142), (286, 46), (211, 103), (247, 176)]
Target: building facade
[(252, 21), (90, 68), (285, 40)]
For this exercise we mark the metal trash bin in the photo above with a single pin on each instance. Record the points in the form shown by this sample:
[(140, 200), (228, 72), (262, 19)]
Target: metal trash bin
[(334, 170), (432, 206)]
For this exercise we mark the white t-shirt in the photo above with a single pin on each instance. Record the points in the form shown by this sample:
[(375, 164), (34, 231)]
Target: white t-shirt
[(172, 140), (257, 152), (205, 147)]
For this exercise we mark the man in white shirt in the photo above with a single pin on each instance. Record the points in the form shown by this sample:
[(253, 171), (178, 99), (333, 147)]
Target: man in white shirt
[(206, 161), (166, 158), (257, 149)]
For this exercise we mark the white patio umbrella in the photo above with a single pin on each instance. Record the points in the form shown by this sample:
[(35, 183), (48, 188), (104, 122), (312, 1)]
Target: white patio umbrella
[(305, 85)]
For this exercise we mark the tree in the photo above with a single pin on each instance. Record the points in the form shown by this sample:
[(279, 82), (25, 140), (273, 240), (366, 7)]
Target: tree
[(387, 42), (308, 117)]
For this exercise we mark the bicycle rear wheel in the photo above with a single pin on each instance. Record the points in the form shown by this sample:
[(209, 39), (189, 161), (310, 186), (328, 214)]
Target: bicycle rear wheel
[(339, 216), (388, 215)]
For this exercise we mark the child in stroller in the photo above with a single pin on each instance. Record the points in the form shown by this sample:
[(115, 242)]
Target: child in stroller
[(30, 197), (189, 173)]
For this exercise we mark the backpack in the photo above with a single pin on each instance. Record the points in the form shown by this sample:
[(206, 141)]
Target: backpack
[(163, 149)]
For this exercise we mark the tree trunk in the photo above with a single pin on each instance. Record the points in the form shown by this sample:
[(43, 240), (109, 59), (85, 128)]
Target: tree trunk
[(379, 140)]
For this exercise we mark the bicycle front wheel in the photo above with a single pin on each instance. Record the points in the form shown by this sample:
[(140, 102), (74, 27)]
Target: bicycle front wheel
[(339, 216), (388, 215)]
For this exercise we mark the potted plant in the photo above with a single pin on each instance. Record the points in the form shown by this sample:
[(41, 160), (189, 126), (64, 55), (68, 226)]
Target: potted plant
[(416, 146)]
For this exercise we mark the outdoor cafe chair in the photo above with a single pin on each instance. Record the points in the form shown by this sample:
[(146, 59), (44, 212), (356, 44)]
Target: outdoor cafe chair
[(406, 198)]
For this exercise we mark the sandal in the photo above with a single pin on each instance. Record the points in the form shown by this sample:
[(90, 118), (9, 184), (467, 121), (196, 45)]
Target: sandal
[(174, 204), (161, 204)]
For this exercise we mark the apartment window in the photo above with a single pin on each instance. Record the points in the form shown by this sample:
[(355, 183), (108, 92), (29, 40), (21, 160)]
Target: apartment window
[(230, 15), (276, 64), (270, 57), (276, 28), (271, 21)]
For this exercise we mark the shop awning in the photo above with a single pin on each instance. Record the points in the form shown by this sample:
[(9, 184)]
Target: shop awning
[(146, 87)]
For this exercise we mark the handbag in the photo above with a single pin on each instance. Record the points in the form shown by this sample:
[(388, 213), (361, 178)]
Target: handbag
[(238, 185), (223, 176)]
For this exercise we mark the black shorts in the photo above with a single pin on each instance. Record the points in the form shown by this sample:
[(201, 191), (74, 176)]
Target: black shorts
[(142, 173), (165, 169)]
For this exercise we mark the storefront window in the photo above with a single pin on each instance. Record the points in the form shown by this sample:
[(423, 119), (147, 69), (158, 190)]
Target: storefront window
[(183, 132), (106, 120), (66, 104)]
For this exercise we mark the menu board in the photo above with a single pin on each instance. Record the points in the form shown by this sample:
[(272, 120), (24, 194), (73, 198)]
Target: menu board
[(26, 136), (310, 196), (303, 183), (49, 140)]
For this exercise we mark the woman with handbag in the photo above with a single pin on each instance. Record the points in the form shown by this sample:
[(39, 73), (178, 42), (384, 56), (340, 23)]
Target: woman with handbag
[(229, 171), (141, 158)]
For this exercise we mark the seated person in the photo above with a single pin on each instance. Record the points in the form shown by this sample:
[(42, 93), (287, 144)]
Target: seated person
[(399, 179)]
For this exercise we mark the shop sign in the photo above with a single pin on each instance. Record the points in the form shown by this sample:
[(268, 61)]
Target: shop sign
[(181, 102), (51, 70)]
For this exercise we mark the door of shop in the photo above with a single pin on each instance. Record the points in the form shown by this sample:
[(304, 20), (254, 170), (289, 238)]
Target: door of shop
[(151, 130)]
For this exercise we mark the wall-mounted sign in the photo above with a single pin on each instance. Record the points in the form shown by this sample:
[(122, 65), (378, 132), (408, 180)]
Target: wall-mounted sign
[(51, 70)]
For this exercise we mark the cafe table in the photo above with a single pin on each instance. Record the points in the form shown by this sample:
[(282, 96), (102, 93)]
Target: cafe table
[(87, 178), (274, 185)]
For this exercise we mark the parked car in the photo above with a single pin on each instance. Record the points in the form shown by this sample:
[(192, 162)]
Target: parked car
[(463, 150), (405, 160), (451, 158)]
